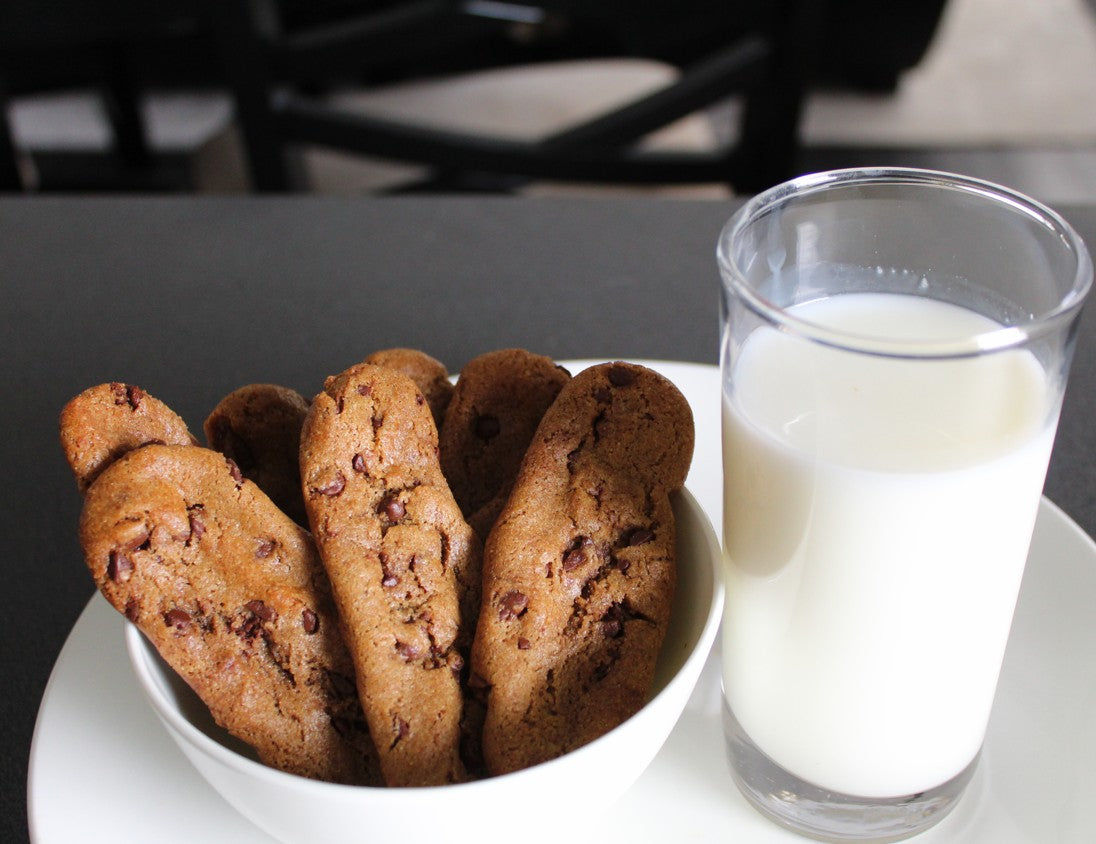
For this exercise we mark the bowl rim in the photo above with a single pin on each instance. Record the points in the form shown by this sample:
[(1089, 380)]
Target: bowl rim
[(141, 652)]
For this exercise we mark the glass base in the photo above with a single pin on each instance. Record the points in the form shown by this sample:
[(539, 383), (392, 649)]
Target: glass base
[(826, 815)]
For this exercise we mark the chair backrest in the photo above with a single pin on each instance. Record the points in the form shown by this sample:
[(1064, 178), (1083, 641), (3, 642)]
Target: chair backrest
[(117, 48), (276, 69)]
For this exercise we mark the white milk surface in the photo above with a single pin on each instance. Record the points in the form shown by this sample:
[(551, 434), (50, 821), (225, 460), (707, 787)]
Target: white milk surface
[(878, 513)]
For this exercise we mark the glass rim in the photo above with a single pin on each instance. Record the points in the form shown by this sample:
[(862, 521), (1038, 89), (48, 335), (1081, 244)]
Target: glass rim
[(997, 339)]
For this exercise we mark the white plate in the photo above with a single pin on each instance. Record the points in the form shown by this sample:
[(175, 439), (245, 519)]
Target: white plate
[(102, 769)]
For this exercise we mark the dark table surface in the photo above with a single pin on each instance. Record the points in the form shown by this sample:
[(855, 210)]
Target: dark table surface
[(191, 298)]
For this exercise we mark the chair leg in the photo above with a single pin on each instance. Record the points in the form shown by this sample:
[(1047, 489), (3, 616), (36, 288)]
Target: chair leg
[(238, 27), (122, 102), (10, 177), (769, 139)]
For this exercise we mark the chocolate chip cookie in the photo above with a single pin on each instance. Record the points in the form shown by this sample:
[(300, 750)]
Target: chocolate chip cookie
[(497, 404), (429, 375), (403, 564), (579, 570), (104, 422), (232, 594), (258, 426)]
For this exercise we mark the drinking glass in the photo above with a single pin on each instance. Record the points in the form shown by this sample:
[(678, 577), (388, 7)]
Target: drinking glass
[(894, 348)]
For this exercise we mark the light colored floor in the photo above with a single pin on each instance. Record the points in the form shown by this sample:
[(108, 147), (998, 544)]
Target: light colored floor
[(998, 73), (1005, 92)]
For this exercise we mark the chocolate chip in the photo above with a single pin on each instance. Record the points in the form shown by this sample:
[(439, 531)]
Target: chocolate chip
[(234, 470), (133, 610), (246, 626), (334, 488), (639, 536), (407, 652), (310, 621), (403, 729), (260, 610), (573, 559), (621, 376), (612, 623), (119, 567), (364, 389), (265, 548), (358, 464), (487, 427), (388, 577), (438, 654), (197, 526), (177, 618), (575, 556), (127, 394), (523, 644), (512, 605), (393, 508), (139, 537)]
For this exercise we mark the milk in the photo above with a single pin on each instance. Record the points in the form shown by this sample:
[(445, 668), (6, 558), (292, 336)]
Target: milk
[(873, 565)]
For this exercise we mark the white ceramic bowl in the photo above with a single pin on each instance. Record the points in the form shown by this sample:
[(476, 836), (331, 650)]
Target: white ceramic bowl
[(540, 802)]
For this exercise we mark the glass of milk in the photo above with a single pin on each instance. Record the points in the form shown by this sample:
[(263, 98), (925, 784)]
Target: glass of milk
[(894, 351)]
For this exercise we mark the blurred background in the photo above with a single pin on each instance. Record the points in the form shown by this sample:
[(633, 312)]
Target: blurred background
[(690, 98)]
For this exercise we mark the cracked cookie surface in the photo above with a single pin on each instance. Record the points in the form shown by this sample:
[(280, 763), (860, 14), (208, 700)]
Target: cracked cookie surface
[(231, 592), (404, 567), (579, 570)]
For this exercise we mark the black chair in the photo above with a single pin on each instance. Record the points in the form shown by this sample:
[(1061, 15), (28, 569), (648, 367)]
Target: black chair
[(280, 59), (117, 48)]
